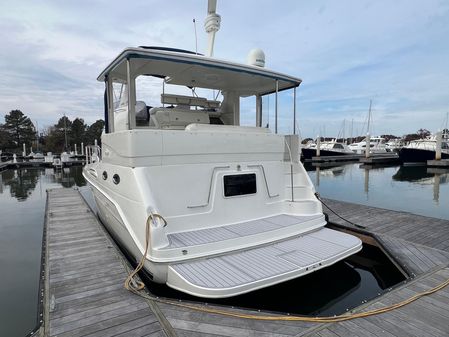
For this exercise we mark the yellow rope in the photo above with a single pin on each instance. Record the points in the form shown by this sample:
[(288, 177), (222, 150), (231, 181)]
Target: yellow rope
[(136, 287)]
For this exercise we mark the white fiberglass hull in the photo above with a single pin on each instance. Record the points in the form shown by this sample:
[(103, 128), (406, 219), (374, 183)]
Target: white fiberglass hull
[(241, 270)]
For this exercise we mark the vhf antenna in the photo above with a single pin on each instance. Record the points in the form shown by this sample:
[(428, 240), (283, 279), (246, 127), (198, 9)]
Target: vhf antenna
[(196, 37)]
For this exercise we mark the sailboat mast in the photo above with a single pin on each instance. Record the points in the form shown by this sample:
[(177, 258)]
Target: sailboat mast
[(369, 115), (65, 133)]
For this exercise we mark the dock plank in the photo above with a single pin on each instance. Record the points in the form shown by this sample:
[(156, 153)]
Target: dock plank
[(86, 276), (434, 232)]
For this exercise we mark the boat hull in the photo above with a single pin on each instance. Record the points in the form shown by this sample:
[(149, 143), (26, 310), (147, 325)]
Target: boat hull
[(309, 153), (408, 155), (110, 217), (183, 276)]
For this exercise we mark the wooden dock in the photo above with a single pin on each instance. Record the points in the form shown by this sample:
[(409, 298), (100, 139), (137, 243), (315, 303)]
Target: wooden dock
[(381, 158), (443, 163), (85, 274), (373, 159), (342, 158)]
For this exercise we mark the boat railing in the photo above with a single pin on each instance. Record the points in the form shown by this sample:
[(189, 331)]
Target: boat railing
[(93, 154)]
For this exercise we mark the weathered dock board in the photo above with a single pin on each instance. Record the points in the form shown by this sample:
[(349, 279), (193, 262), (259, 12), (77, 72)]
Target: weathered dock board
[(4, 165), (341, 158), (85, 295), (381, 158), (86, 274)]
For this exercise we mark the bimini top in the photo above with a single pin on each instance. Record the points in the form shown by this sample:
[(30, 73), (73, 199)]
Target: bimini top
[(193, 70)]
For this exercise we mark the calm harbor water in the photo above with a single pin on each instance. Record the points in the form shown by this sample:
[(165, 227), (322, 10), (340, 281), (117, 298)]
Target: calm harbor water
[(416, 189), (22, 208), (22, 211)]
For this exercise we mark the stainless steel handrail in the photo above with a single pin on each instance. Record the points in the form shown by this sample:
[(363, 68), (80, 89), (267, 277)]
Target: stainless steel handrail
[(265, 179), (93, 154)]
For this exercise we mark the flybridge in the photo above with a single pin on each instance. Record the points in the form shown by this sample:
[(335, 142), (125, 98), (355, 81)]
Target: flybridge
[(204, 71), (139, 75)]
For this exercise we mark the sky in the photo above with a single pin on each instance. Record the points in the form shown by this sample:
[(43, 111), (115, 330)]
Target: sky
[(347, 52)]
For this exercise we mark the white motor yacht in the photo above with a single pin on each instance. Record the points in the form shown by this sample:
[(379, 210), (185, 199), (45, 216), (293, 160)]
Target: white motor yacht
[(422, 150), (229, 208), (394, 145), (376, 145), (327, 148)]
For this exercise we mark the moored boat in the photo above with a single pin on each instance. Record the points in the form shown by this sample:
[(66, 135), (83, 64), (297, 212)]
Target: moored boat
[(422, 150), (327, 148), (212, 208)]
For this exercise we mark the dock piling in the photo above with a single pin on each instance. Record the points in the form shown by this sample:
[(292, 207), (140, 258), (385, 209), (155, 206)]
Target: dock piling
[(367, 147), (438, 146)]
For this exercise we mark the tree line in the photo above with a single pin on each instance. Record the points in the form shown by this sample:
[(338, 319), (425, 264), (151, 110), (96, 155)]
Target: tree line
[(18, 129)]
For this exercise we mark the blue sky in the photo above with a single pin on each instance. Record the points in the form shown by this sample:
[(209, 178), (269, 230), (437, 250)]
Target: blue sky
[(347, 52)]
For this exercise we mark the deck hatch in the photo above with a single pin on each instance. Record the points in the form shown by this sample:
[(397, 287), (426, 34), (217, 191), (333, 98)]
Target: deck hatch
[(239, 184)]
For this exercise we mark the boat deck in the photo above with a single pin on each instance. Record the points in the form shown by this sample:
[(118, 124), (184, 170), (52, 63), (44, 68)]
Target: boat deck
[(244, 229), (85, 274), (258, 267)]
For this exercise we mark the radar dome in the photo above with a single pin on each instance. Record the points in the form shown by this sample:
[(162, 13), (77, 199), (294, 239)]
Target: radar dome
[(256, 57)]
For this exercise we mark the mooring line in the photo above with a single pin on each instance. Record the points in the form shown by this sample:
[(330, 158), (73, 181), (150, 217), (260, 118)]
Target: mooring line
[(317, 195)]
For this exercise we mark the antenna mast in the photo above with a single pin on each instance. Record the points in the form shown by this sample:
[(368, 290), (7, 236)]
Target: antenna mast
[(211, 25), (196, 37)]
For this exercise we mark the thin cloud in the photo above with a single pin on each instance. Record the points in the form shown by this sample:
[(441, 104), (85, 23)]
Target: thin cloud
[(346, 52)]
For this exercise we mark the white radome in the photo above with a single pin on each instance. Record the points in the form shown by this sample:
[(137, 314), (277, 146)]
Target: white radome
[(256, 57)]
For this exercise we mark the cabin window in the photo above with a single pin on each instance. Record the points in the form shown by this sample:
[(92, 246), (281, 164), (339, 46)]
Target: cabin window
[(338, 146), (239, 184)]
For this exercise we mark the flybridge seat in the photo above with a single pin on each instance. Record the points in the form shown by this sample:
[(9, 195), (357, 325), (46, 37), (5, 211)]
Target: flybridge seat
[(142, 114), (247, 270), (189, 101), (177, 118)]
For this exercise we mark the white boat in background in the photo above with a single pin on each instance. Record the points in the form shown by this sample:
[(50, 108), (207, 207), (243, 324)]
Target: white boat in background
[(48, 159), (394, 145), (376, 145), (229, 208), (36, 157), (422, 150), (327, 148)]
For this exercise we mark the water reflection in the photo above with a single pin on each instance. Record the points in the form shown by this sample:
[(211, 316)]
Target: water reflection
[(22, 182), (325, 170), (22, 208), (423, 175), (415, 189)]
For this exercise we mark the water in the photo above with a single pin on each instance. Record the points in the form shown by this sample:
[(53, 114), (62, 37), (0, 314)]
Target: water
[(22, 210), (416, 189)]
